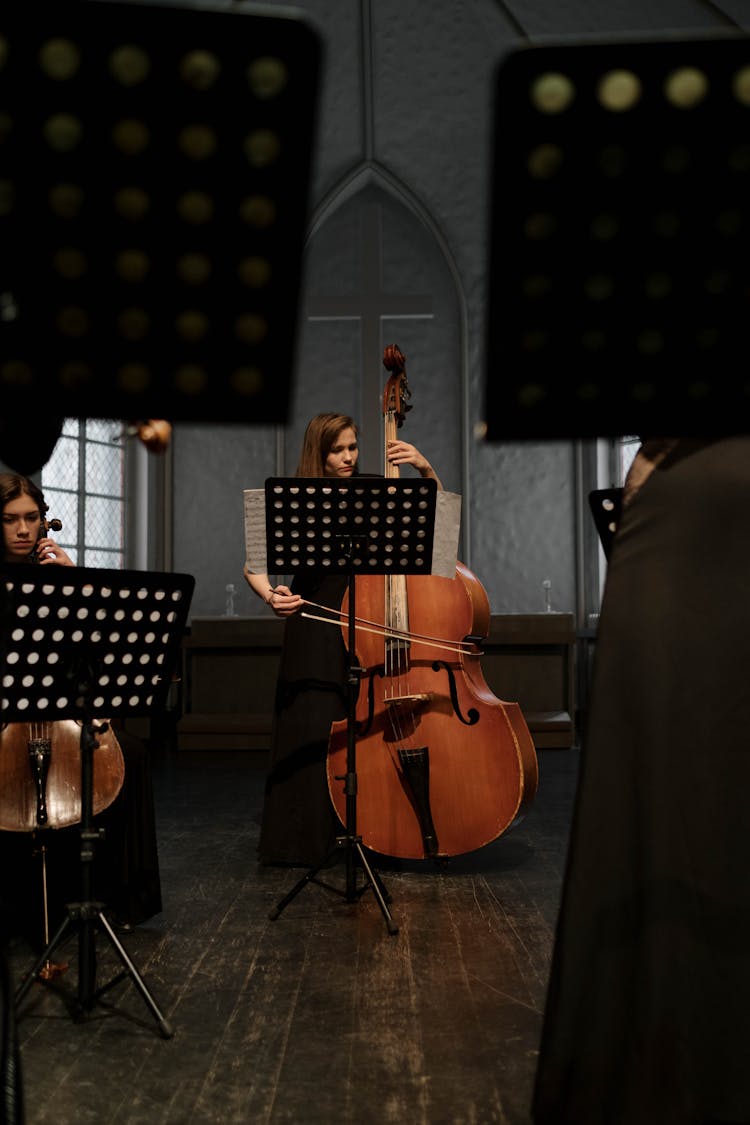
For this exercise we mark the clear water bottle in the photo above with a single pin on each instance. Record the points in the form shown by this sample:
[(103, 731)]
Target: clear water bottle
[(547, 587), (229, 605)]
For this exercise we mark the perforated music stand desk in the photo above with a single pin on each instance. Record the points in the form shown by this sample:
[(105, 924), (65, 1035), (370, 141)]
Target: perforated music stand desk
[(80, 643), (367, 525), (606, 508)]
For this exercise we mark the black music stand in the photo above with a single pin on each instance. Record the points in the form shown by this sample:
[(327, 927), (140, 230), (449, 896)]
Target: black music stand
[(606, 508), (80, 644), (117, 278), (619, 238), (361, 526)]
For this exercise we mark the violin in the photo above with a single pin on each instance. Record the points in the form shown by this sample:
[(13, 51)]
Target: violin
[(443, 766)]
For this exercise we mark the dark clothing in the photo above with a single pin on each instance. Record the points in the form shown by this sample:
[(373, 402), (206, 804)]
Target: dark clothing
[(647, 1012), (299, 823), (125, 868), (129, 863)]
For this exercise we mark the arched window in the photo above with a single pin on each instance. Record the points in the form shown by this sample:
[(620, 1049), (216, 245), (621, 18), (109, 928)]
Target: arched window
[(377, 273)]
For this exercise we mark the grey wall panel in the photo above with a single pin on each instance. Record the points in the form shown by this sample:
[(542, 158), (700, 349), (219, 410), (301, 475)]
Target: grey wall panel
[(406, 121)]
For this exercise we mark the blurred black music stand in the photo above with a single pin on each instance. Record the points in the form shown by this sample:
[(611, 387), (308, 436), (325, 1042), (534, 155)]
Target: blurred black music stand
[(155, 170), (606, 508), (361, 526), (79, 644), (620, 238)]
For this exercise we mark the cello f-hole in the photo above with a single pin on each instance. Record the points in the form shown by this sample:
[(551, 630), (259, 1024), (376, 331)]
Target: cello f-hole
[(473, 714)]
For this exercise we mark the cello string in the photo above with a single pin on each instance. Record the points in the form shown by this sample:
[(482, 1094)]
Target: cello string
[(404, 710), (391, 646), (392, 643), (396, 711), (403, 720)]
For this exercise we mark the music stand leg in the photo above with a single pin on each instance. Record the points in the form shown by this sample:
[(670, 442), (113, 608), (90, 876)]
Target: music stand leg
[(33, 974), (378, 889), (352, 892), (351, 843), (131, 971), (84, 916)]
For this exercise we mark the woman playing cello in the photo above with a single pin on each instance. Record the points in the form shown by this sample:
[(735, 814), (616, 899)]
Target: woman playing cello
[(299, 825), (126, 870)]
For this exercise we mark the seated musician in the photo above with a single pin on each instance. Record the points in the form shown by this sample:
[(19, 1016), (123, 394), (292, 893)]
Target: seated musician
[(126, 868)]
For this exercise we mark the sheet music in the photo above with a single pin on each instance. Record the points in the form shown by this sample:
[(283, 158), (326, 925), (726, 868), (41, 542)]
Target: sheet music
[(445, 539), (255, 530)]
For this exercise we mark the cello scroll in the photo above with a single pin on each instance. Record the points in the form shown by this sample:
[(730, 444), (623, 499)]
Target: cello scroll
[(397, 391), (44, 528)]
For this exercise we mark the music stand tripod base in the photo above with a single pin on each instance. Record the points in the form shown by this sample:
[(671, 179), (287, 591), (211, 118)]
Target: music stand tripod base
[(351, 893), (85, 914), (360, 526), (79, 644)]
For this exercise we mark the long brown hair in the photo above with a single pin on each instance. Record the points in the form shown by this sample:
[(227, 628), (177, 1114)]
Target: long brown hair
[(320, 435), (13, 485)]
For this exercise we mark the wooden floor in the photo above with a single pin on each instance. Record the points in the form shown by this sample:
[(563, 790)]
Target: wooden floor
[(320, 1015)]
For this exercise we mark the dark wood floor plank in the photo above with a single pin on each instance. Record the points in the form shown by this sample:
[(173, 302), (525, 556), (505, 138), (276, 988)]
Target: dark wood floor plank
[(320, 1015)]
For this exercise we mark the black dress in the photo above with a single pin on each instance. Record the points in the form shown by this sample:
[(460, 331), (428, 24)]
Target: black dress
[(299, 823), (125, 867), (648, 1011)]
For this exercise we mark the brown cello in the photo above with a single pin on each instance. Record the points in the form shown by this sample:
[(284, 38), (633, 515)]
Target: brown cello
[(40, 787), (40, 771), (443, 766), (40, 774), (40, 764)]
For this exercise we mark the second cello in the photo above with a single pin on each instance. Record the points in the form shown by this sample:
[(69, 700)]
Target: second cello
[(444, 767)]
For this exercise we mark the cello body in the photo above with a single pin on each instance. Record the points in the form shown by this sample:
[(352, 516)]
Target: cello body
[(40, 774), (443, 766)]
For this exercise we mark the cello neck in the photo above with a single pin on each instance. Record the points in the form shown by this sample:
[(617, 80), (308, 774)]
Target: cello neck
[(396, 600), (390, 428)]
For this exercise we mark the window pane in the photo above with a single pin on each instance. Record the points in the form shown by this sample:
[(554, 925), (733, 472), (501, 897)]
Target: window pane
[(629, 446), (104, 523), (95, 512), (70, 549), (62, 468), (102, 429), (63, 506), (104, 469), (111, 560)]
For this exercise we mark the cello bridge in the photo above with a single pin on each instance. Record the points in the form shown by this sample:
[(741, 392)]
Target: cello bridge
[(416, 697)]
